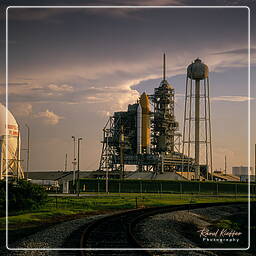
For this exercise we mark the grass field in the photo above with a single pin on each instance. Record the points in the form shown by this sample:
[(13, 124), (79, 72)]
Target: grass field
[(60, 208)]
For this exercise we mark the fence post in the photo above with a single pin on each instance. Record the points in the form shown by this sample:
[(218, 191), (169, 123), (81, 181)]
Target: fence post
[(236, 189), (180, 190), (199, 188), (217, 189)]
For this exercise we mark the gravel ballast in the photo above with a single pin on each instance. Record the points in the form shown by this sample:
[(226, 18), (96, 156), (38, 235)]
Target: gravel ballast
[(52, 237), (170, 230)]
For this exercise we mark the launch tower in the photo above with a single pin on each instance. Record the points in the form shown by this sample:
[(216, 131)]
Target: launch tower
[(145, 136), (164, 123)]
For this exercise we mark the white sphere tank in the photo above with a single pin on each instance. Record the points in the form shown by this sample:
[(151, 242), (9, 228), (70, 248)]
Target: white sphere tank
[(9, 132), (12, 127)]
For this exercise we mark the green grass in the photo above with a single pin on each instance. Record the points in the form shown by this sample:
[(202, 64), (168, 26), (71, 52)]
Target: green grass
[(63, 208), (34, 218)]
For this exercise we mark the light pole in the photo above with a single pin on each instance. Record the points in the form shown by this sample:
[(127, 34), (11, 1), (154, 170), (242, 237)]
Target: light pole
[(28, 149), (74, 160), (107, 167), (78, 165), (255, 164)]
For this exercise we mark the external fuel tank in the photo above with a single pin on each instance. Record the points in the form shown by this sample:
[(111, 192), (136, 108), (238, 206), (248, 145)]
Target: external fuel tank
[(145, 142)]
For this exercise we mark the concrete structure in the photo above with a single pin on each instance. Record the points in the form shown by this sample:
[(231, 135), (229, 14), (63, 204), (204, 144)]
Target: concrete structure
[(220, 176), (47, 184), (154, 176), (10, 163), (241, 170), (245, 178), (53, 180)]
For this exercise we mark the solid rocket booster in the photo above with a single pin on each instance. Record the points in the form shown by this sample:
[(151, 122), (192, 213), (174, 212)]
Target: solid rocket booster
[(145, 140), (139, 128)]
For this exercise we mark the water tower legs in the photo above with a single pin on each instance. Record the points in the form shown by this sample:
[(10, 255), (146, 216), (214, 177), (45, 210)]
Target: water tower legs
[(197, 129)]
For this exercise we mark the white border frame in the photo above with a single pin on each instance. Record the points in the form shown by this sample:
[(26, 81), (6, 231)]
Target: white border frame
[(249, 130)]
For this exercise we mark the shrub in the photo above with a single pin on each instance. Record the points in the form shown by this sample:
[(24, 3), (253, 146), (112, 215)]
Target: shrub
[(228, 224), (22, 195)]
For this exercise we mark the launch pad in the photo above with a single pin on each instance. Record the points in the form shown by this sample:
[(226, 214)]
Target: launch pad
[(147, 136)]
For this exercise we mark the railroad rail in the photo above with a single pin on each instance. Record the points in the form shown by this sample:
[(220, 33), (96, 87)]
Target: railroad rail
[(106, 235)]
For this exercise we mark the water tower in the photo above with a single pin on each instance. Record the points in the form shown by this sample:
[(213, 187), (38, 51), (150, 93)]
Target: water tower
[(197, 121)]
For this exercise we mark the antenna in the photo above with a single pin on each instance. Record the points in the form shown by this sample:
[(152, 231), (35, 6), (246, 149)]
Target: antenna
[(164, 67)]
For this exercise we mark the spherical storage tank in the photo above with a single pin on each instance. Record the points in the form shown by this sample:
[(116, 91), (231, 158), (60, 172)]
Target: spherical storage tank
[(197, 70), (12, 128), (10, 132)]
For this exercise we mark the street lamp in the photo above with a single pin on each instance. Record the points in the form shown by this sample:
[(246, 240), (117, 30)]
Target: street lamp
[(78, 165), (28, 149)]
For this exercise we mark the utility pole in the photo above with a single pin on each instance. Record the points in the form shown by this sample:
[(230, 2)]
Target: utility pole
[(78, 166), (225, 166), (28, 149), (255, 163), (66, 163)]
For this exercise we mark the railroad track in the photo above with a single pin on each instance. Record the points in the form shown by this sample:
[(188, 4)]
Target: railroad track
[(118, 231)]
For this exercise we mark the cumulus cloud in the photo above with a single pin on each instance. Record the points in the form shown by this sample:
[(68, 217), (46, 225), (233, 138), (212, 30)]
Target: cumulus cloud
[(48, 117)]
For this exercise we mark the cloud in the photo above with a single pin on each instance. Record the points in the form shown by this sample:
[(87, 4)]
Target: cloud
[(236, 51), (112, 98), (38, 14), (104, 113), (13, 84), (48, 117), (60, 88), (21, 109), (232, 98), (52, 14)]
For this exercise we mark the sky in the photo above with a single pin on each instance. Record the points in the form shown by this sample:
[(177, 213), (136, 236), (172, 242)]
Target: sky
[(71, 68)]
